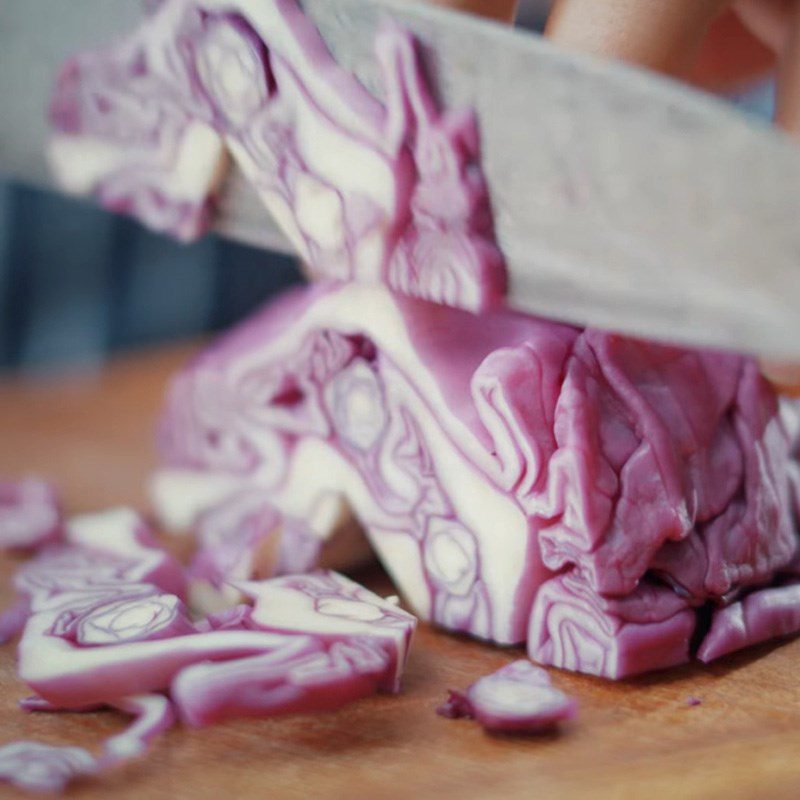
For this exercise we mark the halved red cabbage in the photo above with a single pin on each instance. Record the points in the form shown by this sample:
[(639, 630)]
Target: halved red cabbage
[(518, 478), (245, 537), (365, 191), (30, 514), (518, 698), (361, 425)]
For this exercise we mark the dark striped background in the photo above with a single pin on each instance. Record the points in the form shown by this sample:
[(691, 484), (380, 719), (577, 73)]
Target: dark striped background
[(77, 283)]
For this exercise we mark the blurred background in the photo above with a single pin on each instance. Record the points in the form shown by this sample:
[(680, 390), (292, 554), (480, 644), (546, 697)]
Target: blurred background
[(77, 283)]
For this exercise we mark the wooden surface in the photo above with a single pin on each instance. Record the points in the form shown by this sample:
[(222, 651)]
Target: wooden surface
[(635, 739)]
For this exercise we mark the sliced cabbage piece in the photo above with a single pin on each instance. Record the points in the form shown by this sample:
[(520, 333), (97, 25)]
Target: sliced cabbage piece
[(390, 193), (517, 698)]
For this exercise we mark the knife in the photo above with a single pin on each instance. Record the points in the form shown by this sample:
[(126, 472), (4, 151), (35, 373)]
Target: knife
[(622, 199)]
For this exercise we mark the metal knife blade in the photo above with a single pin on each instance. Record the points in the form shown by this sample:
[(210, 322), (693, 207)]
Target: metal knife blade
[(622, 199)]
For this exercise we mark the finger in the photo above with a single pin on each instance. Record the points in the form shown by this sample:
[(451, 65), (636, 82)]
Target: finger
[(768, 20), (784, 377), (730, 57), (787, 98), (664, 35), (502, 10)]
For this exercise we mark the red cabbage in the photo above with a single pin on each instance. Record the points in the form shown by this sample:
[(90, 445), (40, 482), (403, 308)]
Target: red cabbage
[(36, 767), (575, 628), (245, 536), (104, 628), (105, 557), (765, 614), (132, 619), (70, 673), (343, 643), (153, 715), (334, 608), (30, 514), (388, 193), (12, 619), (39, 704), (297, 678), (519, 479), (518, 698)]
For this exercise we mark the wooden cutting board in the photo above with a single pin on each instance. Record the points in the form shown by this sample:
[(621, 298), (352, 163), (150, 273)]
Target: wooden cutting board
[(92, 433)]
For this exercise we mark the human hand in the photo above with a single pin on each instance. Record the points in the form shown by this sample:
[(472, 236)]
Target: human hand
[(716, 44)]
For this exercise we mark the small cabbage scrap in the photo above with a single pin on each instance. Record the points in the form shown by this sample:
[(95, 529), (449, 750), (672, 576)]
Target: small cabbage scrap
[(521, 480), (518, 698), (37, 767), (103, 558), (281, 682), (30, 514), (103, 584), (346, 643), (364, 191), (765, 614), (333, 607), (43, 768)]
